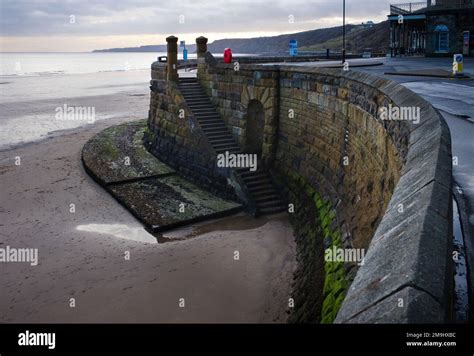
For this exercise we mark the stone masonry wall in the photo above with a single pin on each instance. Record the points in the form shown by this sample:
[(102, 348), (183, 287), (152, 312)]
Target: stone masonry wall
[(407, 272), (320, 126), (378, 185), (177, 140), (232, 88), (328, 134), (329, 137), (372, 173)]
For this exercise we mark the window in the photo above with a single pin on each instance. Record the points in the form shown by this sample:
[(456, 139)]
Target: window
[(442, 38)]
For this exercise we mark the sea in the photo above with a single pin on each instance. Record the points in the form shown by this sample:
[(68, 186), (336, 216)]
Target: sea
[(33, 86), (43, 64)]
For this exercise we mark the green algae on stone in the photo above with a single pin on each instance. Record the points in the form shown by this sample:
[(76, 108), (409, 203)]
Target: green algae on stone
[(316, 232), (171, 201), (148, 188), (117, 154)]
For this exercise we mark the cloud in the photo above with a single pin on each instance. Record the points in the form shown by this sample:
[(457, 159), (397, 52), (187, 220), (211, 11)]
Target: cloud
[(134, 17), (97, 18)]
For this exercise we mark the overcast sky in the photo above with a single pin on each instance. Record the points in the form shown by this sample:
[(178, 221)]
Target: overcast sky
[(84, 25)]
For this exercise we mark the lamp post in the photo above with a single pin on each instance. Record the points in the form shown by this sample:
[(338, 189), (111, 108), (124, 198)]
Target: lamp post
[(343, 31)]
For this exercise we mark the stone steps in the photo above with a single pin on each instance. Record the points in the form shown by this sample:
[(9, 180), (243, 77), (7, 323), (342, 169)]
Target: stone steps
[(192, 101), (216, 141), (265, 181), (187, 80), (214, 130), (201, 112), (198, 105), (213, 116), (195, 97), (213, 124), (258, 187), (259, 184), (206, 119), (264, 192), (226, 146), (220, 135), (209, 123)]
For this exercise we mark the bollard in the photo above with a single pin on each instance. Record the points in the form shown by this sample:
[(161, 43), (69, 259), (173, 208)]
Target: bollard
[(201, 48), (172, 58)]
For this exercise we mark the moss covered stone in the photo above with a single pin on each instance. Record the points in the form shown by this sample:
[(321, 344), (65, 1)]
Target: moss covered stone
[(150, 189), (320, 286), (118, 154)]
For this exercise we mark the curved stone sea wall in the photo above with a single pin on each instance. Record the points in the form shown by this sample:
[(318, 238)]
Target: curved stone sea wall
[(389, 184), (357, 181)]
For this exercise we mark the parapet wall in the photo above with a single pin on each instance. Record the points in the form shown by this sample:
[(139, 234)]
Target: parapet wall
[(385, 184)]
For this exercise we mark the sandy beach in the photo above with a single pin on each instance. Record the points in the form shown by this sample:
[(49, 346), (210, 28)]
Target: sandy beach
[(82, 255)]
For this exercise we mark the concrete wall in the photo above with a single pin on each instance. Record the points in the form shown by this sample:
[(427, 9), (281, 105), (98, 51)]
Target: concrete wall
[(377, 185)]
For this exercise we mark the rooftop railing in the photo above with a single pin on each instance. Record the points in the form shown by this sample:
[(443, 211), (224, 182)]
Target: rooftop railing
[(451, 3), (408, 8)]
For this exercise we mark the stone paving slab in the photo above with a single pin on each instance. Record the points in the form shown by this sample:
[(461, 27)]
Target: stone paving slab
[(148, 188), (163, 203), (117, 154)]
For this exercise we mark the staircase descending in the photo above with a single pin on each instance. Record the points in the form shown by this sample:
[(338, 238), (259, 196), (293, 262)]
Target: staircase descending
[(258, 183)]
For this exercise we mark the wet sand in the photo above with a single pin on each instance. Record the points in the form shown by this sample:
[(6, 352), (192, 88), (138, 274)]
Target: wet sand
[(82, 254), (28, 106)]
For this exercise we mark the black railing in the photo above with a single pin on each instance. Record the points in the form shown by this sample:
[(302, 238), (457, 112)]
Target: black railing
[(407, 8), (451, 3), (410, 7)]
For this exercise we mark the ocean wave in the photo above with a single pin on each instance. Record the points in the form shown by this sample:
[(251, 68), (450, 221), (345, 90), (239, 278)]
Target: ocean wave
[(32, 74), (9, 75), (121, 70), (62, 72)]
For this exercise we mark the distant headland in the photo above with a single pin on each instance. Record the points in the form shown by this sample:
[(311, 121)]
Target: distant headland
[(359, 37)]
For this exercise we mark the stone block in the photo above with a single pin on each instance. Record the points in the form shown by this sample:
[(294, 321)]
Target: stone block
[(408, 305)]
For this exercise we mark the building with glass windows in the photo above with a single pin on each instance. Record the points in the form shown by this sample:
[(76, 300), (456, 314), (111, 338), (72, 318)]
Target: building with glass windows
[(432, 28)]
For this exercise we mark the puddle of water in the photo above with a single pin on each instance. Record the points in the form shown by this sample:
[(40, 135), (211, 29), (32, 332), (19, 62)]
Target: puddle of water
[(120, 231), (238, 222), (461, 293)]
